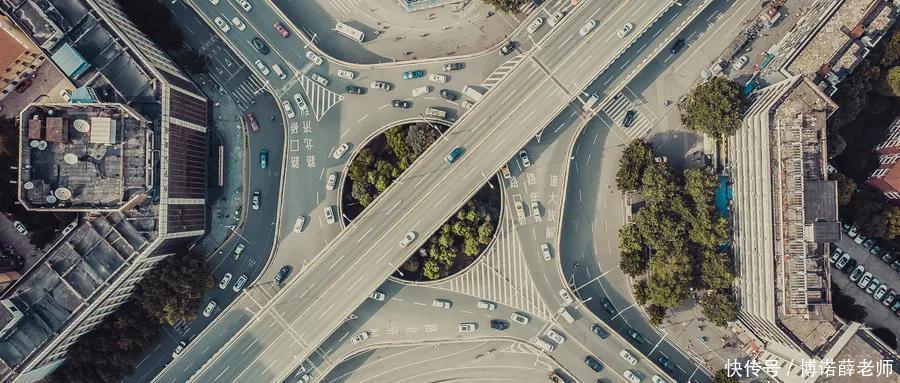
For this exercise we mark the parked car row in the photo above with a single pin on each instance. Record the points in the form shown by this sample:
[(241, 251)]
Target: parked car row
[(866, 280)]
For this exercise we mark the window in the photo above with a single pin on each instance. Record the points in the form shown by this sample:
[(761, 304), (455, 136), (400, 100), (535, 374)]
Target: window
[(892, 195), (879, 173)]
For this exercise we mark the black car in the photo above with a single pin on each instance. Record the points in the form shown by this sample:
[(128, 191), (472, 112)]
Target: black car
[(283, 273), (666, 364), (448, 94), (452, 66), (400, 104), (498, 324), (508, 48), (896, 265), (593, 363), (635, 336), (677, 46), (851, 264), (355, 89), (607, 305), (630, 116), (260, 46), (597, 329)]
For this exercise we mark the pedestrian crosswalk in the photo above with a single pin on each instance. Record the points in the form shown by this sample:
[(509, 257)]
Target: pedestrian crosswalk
[(246, 93), (345, 7), (320, 98), (502, 71), (616, 111)]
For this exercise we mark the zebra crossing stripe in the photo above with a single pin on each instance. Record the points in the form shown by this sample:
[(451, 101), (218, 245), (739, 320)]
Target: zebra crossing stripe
[(616, 113), (501, 72), (320, 98)]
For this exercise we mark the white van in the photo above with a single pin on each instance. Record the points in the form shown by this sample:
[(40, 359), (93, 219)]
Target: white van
[(540, 343), (434, 112), (278, 71), (632, 377), (421, 90), (589, 104), (565, 315)]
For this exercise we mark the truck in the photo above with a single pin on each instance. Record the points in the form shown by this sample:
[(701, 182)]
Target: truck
[(543, 345), (473, 93), (435, 112), (520, 208), (565, 315)]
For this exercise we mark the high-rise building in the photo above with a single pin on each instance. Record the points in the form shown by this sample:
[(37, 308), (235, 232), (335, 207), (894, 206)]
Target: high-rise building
[(19, 59), (134, 163)]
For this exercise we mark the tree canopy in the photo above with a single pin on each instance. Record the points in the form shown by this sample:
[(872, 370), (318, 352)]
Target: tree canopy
[(635, 158), (713, 107), (719, 307)]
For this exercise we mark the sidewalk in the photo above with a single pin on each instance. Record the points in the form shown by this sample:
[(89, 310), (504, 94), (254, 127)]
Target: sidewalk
[(686, 327)]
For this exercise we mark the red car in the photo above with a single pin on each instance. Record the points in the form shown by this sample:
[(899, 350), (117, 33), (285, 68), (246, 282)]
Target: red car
[(281, 29), (254, 124)]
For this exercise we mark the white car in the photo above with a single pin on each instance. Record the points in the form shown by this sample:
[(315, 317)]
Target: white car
[(210, 307), (555, 18), (298, 224), (345, 74), (485, 305), (441, 304), (239, 284), (360, 337), (519, 318), (408, 238), (245, 4), (628, 357), (536, 24), (301, 104), (467, 327), (214, 2), (658, 379), (523, 155), (319, 79), (179, 349), (438, 78), (329, 215), (262, 67), (545, 251), (222, 24), (313, 57), (339, 152), (587, 28), (238, 24), (740, 62), (631, 377), (287, 109), (536, 211), (331, 182), (555, 336), (380, 85), (377, 295), (880, 292), (626, 29), (565, 296), (225, 279), (20, 227)]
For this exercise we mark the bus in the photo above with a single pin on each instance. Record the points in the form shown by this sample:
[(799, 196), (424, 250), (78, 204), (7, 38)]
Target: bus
[(350, 32)]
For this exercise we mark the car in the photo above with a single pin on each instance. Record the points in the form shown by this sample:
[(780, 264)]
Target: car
[(210, 307), (281, 30), (634, 378), (331, 181), (597, 329), (422, 90), (254, 200), (454, 154), (545, 251), (466, 104), (853, 232), (593, 363), (845, 227), (498, 324), (359, 337), (851, 264), (880, 291), (238, 250), (467, 327), (860, 239), (666, 364), (868, 243), (519, 318), (857, 273), (677, 46), (625, 30), (536, 211), (872, 286), (889, 298), (68, 229), (239, 284), (535, 24), (214, 2), (740, 62), (319, 79), (263, 159), (888, 257), (355, 89), (225, 279), (438, 78), (655, 378), (288, 110), (301, 104), (411, 74), (485, 305), (220, 22), (565, 296), (523, 155), (896, 306), (377, 295), (635, 336), (556, 18), (452, 66), (260, 46), (505, 172), (179, 348), (507, 48), (23, 85), (842, 261), (441, 304), (329, 215), (555, 336), (628, 357), (587, 28), (238, 23), (283, 273), (875, 250), (20, 227), (345, 74), (864, 281), (339, 152), (66, 96), (262, 67), (402, 104), (896, 265), (661, 159), (835, 254), (245, 4), (608, 306), (298, 224), (408, 238), (380, 85), (630, 117), (314, 58), (448, 94)]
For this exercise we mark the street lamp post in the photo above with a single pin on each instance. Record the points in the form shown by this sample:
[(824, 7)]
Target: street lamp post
[(435, 127), (238, 234)]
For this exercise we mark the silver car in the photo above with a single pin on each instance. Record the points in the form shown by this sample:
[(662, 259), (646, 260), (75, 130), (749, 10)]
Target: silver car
[(332, 181), (864, 281), (408, 238)]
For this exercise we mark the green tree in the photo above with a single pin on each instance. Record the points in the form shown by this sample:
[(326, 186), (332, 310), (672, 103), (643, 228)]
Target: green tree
[(173, 291), (845, 306), (713, 107), (852, 95), (670, 275), (630, 238), (641, 295), (658, 183), (700, 185), (656, 314), (359, 167), (635, 158), (721, 376), (716, 270), (719, 307), (845, 187), (886, 223), (893, 80), (419, 137), (505, 5), (363, 192), (396, 141), (485, 232)]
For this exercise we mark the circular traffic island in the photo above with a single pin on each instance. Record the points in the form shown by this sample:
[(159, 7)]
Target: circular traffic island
[(459, 241)]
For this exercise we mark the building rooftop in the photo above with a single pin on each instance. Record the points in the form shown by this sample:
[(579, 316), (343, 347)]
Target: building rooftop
[(11, 47), (832, 36), (82, 157)]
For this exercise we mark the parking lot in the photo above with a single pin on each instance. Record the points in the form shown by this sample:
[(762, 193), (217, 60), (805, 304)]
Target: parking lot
[(877, 314)]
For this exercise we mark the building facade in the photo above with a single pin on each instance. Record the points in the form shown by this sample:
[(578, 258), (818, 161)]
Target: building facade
[(20, 57), (886, 178)]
